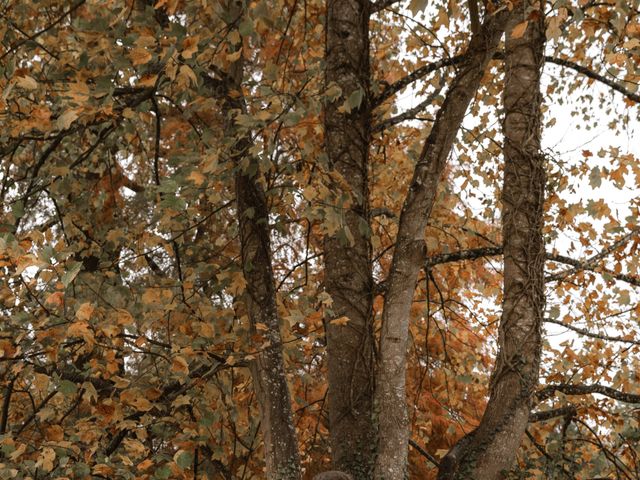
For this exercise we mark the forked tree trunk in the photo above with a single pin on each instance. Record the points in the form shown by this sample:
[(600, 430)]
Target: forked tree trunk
[(267, 370), (491, 449), (348, 277), (390, 395)]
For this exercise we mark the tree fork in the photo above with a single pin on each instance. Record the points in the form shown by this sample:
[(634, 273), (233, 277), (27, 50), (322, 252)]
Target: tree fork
[(489, 451), (390, 395)]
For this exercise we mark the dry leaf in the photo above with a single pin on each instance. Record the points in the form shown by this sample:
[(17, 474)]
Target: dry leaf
[(518, 30)]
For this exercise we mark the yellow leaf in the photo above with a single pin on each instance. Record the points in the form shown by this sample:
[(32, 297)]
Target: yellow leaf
[(232, 57), (124, 317), (518, 30), (46, 458), (140, 56), (135, 399), (148, 80), (80, 329), (27, 82), (65, 120), (187, 74), (103, 469), (17, 453), (134, 447)]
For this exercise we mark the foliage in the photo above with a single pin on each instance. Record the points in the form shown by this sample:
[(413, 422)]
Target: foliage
[(125, 341)]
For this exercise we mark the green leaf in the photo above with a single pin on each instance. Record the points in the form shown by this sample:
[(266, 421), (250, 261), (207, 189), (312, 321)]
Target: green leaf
[(595, 178), (17, 209), (162, 473), (67, 387), (246, 27), (71, 273), (184, 460), (354, 101)]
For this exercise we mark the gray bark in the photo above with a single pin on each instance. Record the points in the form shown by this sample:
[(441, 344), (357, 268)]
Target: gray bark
[(489, 452), (390, 397), (267, 370), (348, 276)]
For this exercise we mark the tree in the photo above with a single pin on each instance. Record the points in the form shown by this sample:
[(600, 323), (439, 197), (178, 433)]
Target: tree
[(230, 249)]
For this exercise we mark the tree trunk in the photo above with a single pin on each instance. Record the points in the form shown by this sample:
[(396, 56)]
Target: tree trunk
[(390, 399), (348, 277), (491, 449), (267, 370)]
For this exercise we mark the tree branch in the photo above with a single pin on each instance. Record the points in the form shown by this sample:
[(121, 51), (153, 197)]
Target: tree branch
[(6, 403), (421, 72), (424, 453), (409, 114), (381, 5), (578, 265), (553, 413), (569, 389), (18, 44), (594, 76), (425, 70), (590, 263), (587, 333)]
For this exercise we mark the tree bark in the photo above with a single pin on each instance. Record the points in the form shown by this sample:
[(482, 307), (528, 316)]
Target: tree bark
[(267, 370), (489, 451), (390, 399), (348, 277)]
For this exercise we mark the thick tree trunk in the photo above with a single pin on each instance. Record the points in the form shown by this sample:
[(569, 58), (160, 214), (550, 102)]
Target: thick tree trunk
[(348, 277), (267, 370), (491, 449), (390, 399)]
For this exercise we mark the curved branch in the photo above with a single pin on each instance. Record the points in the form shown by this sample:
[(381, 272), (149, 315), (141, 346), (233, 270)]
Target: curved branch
[(594, 76), (587, 333), (578, 265), (381, 5)]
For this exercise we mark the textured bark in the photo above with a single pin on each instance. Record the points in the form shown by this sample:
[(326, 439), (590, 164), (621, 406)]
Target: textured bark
[(348, 276), (390, 399), (267, 370), (272, 392), (489, 452), (333, 475)]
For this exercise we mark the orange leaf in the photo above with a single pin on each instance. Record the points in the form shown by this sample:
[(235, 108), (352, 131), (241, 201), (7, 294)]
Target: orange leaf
[(518, 30)]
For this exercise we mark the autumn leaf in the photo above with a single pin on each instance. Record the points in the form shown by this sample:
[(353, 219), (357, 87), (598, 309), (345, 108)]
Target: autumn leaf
[(85, 311), (519, 29), (46, 458), (179, 365), (56, 299), (342, 321), (27, 82), (190, 46), (140, 56), (65, 120)]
